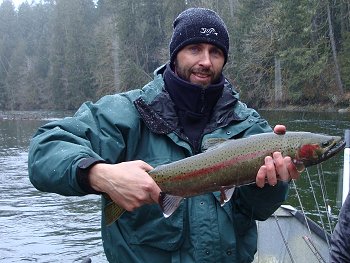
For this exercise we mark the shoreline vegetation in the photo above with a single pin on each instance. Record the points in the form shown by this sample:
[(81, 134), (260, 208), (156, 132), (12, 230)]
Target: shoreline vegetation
[(50, 115), (59, 54), (309, 108)]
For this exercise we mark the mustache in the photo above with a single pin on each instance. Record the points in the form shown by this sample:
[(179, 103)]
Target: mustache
[(205, 71)]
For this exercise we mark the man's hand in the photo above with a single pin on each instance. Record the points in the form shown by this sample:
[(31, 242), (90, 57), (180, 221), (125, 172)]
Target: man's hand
[(279, 129), (276, 167), (128, 184)]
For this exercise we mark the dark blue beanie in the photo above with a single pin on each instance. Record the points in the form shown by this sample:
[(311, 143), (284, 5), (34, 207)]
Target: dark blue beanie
[(198, 25)]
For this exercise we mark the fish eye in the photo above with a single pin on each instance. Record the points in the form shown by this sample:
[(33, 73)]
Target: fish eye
[(326, 144)]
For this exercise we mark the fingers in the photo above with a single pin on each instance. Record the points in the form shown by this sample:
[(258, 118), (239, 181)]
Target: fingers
[(151, 189), (271, 175), (146, 191), (128, 183), (261, 177), (143, 165), (281, 168), (276, 168), (292, 170), (279, 129)]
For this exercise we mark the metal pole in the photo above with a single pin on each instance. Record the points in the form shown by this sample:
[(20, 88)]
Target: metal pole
[(346, 171)]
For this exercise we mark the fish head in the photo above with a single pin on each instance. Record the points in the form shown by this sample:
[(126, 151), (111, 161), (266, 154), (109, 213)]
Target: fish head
[(317, 148)]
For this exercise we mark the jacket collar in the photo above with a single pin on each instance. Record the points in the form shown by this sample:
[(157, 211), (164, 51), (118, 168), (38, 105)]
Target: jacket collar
[(160, 116), (190, 97)]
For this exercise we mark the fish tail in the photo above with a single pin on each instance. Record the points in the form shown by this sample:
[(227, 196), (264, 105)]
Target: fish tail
[(112, 212)]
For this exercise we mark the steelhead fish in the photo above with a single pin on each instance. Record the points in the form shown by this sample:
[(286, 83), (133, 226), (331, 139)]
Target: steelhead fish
[(232, 163)]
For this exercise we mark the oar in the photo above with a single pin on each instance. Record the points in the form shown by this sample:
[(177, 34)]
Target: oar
[(346, 171)]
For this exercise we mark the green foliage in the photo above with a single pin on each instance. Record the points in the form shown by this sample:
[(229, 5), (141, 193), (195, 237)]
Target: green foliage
[(58, 54), (141, 37), (344, 58), (296, 32), (8, 36), (73, 52)]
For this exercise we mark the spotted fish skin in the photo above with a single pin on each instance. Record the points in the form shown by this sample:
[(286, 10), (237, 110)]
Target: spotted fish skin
[(232, 163)]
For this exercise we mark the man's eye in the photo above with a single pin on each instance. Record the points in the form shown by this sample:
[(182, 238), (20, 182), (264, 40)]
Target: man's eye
[(216, 51), (195, 49)]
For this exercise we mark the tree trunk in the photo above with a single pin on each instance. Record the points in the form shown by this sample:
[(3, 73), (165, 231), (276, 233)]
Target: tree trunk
[(336, 65), (278, 81)]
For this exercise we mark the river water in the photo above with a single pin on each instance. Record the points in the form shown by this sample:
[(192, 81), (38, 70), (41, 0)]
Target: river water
[(37, 226), (323, 122), (45, 227)]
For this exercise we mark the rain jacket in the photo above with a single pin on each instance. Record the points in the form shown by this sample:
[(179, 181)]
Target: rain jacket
[(142, 124), (340, 242)]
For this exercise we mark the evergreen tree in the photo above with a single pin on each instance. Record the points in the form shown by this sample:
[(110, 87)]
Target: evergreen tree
[(8, 39), (72, 53), (140, 35), (105, 69), (60, 53), (32, 70)]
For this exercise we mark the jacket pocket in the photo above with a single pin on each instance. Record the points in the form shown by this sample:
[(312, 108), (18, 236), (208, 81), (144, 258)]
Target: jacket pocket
[(148, 226)]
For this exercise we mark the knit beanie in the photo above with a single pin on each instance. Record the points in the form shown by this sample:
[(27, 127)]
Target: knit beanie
[(198, 25)]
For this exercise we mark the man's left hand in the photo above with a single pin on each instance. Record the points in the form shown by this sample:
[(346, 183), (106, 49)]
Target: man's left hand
[(276, 167)]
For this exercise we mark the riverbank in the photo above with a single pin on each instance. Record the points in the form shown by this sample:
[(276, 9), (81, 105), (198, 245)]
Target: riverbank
[(34, 115), (308, 108), (55, 114)]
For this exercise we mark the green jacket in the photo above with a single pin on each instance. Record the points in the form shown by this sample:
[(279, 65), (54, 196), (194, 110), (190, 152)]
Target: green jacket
[(142, 124)]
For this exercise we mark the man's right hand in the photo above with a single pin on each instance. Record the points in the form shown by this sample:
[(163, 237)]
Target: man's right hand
[(128, 184)]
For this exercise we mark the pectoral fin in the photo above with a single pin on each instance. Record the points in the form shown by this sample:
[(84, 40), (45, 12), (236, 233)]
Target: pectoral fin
[(299, 165), (169, 203), (226, 194)]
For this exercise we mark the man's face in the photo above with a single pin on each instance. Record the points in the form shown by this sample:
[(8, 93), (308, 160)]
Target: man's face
[(200, 63)]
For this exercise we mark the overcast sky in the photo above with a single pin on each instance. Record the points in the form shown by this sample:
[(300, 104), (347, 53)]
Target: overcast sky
[(18, 2)]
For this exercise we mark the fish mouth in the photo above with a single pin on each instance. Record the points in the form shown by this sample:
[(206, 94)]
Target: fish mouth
[(333, 150)]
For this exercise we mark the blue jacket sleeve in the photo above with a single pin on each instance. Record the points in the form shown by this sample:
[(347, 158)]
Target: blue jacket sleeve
[(58, 147), (260, 203)]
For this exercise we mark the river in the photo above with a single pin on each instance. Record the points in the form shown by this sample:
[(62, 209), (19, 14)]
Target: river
[(45, 227)]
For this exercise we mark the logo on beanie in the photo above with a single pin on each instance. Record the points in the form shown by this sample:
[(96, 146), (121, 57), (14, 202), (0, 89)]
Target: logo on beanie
[(208, 31)]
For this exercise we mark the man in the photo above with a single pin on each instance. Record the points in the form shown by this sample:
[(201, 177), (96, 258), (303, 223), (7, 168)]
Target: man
[(340, 243), (108, 147)]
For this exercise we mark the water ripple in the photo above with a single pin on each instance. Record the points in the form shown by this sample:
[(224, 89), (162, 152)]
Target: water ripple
[(44, 227)]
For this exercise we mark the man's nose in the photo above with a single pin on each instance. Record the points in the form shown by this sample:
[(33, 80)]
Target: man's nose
[(205, 60)]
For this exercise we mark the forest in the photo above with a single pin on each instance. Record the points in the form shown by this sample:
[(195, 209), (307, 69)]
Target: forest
[(56, 54)]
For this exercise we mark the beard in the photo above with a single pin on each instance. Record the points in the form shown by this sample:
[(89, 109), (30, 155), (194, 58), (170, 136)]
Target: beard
[(185, 73)]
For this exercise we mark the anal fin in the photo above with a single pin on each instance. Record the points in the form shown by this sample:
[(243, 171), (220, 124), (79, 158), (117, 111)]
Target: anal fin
[(112, 212)]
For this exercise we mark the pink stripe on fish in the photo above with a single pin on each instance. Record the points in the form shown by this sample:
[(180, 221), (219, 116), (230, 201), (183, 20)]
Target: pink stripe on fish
[(219, 166)]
